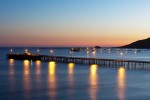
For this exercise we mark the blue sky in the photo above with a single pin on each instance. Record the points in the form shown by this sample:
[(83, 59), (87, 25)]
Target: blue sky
[(63, 22)]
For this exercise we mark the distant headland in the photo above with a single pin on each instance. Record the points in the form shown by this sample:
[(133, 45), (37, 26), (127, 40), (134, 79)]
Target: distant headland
[(141, 44)]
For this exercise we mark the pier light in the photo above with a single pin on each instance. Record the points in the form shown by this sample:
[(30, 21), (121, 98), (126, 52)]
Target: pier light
[(11, 50), (87, 49), (94, 53), (135, 52), (71, 53), (51, 51), (38, 51), (94, 49), (121, 54), (26, 50), (87, 52)]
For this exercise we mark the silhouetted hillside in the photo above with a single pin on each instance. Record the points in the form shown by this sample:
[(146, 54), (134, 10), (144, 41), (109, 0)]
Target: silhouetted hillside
[(139, 44)]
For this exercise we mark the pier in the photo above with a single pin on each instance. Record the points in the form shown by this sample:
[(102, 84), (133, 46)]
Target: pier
[(114, 63)]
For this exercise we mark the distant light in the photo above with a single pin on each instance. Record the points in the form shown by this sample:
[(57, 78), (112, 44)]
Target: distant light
[(135, 52), (51, 51), (71, 52), (87, 49), (94, 49), (93, 52), (11, 50), (87, 52), (26, 50), (121, 54), (38, 50)]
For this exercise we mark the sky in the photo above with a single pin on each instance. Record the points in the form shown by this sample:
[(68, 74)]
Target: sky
[(106, 23)]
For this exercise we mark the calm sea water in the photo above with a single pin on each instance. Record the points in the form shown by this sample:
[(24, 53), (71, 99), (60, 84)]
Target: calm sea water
[(27, 80)]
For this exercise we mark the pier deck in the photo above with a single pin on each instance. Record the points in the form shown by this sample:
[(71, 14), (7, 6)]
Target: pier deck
[(102, 62)]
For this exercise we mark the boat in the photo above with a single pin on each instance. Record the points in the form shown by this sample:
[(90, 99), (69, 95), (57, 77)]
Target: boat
[(75, 49)]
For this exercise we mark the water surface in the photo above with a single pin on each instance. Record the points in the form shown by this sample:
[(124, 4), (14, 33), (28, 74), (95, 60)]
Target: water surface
[(28, 80)]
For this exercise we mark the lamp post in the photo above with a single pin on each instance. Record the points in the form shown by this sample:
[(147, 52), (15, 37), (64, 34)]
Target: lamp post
[(94, 56), (26, 50), (94, 53), (121, 54), (87, 53), (11, 50), (51, 51), (38, 51), (71, 53)]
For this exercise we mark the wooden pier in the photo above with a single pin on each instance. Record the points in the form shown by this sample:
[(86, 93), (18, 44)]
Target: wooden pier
[(131, 64)]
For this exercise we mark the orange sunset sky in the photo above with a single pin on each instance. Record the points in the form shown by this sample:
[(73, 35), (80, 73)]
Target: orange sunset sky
[(107, 23)]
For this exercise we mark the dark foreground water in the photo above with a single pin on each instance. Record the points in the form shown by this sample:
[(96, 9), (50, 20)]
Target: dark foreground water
[(27, 80)]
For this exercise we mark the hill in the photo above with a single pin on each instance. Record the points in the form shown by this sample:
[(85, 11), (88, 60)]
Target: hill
[(141, 44)]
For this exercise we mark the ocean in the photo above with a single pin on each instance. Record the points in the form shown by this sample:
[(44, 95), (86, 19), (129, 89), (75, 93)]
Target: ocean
[(37, 80)]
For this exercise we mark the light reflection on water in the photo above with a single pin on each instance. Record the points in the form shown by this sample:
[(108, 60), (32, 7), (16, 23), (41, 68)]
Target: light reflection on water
[(68, 81), (12, 74), (17, 81), (38, 75), (52, 81), (26, 67), (26, 77), (11, 61), (94, 85), (38, 67), (11, 67), (71, 78), (121, 83), (93, 82), (70, 68)]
